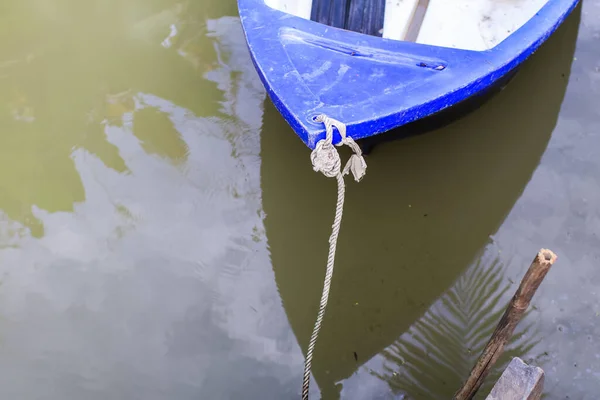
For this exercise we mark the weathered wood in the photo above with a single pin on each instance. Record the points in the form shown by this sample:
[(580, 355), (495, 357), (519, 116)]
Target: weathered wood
[(519, 381), (363, 16), (505, 328)]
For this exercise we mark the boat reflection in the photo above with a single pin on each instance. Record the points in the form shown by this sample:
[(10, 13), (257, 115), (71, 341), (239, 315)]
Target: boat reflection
[(412, 227)]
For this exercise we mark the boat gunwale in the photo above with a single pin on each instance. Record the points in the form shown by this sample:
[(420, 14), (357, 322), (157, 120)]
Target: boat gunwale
[(468, 72)]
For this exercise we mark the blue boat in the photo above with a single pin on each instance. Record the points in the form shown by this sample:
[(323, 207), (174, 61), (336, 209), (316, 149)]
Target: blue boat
[(377, 65)]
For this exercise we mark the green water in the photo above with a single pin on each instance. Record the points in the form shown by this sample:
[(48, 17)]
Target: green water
[(163, 235)]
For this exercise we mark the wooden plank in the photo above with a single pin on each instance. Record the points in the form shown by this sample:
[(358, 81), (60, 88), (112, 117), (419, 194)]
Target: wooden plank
[(299, 8), (374, 17), (398, 17), (321, 11), (474, 24), (519, 381), (514, 312), (363, 16), (417, 21), (339, 13)]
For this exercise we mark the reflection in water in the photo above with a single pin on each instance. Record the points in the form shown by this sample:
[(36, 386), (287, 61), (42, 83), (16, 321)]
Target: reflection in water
[(58, 93), (432, 359), (78, 73), (134, 261), (411, 228)]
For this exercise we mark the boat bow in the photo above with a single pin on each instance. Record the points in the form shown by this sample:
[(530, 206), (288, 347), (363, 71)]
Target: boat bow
[(374, 84)]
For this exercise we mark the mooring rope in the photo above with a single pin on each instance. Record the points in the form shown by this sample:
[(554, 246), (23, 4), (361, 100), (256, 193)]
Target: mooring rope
[(326, 159)]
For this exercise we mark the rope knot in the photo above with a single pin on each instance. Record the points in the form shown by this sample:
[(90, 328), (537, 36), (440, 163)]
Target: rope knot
[(325, 157)]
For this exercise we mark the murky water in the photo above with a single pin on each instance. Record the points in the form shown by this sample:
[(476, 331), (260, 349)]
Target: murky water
[(163, 235)]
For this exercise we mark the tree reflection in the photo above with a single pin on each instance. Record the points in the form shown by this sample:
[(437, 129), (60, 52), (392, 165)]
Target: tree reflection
[(158, 282), (67, 70), (434, 357)]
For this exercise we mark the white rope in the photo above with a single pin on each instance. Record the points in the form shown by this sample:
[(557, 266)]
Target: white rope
[(326, 159)]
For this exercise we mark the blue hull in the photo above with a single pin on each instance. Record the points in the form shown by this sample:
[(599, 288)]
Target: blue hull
[(372, 84)]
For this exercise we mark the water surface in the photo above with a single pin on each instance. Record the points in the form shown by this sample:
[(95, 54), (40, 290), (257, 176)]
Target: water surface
[(163, 234)]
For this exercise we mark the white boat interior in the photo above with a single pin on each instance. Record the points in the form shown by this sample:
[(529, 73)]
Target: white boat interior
[(463, 24)]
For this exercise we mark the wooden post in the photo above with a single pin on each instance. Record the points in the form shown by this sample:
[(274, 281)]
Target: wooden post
[(519, 381), (505, 328)]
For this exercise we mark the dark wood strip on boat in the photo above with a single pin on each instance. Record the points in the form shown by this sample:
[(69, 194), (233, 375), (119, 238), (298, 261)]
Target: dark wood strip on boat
[(363, 16), (339, 12), (320, 11)]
